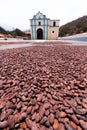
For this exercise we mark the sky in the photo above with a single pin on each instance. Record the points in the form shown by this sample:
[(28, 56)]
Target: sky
[(17, 13)]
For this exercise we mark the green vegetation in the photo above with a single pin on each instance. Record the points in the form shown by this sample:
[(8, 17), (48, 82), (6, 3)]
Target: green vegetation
[(14, 33), (17, 32), (2, 31), (77, 26)]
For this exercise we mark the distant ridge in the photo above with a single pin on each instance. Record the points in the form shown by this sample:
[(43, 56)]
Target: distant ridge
[(2, 31), (15, 32), (76, 26)]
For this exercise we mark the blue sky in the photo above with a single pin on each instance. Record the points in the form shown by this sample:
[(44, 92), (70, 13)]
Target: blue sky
[(16, 13)]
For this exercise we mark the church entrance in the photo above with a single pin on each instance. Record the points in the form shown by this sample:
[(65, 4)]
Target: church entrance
[(39, 33)]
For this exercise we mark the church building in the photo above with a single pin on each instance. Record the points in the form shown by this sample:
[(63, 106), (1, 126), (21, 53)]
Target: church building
[(44, 28)]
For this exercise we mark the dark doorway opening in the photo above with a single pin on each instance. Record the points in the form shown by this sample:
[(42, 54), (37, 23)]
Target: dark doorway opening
[(39, 33)]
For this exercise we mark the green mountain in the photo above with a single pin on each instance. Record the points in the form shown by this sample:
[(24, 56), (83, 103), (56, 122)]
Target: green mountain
[(16, 32), (2, 31), (77, 26)]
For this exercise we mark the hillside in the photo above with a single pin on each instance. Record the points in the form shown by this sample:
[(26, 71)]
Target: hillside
[(2, 31), (77, 26), (14, 33), (17, 32)]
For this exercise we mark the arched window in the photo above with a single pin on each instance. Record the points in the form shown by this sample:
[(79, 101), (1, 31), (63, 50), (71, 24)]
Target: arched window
[(39, 23), (54, 24)]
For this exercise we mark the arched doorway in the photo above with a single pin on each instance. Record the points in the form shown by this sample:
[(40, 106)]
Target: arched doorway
[(39, 33)]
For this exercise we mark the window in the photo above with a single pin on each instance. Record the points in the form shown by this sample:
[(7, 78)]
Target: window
[(52, 31), (39, 23), (54, 23)]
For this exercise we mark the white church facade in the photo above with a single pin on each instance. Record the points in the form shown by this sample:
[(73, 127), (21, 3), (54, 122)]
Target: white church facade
[(44, 28)]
